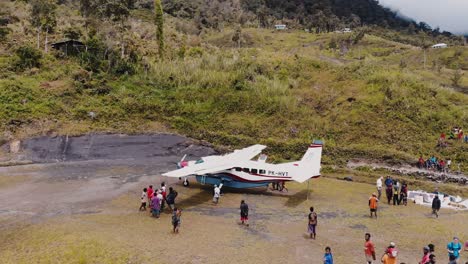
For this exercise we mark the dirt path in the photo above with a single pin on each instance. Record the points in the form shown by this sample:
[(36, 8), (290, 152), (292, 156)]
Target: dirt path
[(77, 175)]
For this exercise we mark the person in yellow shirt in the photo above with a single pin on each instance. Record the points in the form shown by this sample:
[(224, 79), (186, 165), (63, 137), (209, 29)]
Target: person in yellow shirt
[(390, 256)]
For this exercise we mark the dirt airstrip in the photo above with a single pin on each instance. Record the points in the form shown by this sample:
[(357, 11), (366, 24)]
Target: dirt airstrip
[(78, 203)]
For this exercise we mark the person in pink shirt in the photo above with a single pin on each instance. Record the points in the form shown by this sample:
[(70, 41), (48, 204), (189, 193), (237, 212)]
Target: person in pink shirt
[(425, 258)]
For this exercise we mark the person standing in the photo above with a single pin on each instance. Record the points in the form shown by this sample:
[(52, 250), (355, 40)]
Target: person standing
[(164, 194), (432, 259), (144, 200), (176, 214), (436, 204), (170, 199), (390, 256), (328, 257), (217, 193), (404, 194), (312, 223), (150, 193), (426, 254), (389, 188), (379, 187), (244, 213), (369, 249), (396, 192), (454, 248), (373, 204), (161, 200), (155, 206)]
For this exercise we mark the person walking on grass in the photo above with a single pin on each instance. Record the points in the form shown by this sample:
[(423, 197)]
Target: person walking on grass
[(369, 249), (144, 200), (312, 223), (436, 204), (244, 213), (328, 257), (379, 187), (454, 248), (176, 214), (373, 204)]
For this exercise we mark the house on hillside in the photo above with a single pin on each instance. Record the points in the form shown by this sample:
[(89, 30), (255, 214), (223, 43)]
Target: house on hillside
[(280, 27), (69, 47), (440, 46), (347, 30)]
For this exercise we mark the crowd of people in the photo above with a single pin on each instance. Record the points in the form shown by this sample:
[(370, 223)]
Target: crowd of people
[(156, 200), (434, 163), (390, 255), (456, 134), (395, 191)]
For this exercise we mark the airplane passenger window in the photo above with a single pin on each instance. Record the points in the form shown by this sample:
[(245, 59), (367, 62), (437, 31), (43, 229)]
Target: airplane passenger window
[(262, 172), (254, 171), (246, 170), (238, 169)]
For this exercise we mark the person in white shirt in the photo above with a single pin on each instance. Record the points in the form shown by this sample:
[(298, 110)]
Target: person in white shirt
[(144, 200), (160, 197), (379, 187), (217, 193)]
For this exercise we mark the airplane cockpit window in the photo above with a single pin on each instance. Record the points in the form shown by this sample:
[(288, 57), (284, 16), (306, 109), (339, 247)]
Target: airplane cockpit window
[(254, 171), (246, 170), (199, 161), (238, 169)]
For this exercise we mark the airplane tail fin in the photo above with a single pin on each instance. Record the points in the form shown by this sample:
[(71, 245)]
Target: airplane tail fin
[(309, 166)]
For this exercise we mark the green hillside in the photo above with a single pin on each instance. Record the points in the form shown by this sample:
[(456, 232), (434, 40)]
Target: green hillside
[(363, 93)]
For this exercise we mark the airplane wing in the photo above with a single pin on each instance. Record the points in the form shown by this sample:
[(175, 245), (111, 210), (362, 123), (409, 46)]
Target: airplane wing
[(212, 164)]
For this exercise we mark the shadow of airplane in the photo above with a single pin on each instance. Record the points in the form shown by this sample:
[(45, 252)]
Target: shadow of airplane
[(206, 194)]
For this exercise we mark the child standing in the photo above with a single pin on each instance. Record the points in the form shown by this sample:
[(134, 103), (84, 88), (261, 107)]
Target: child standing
[(328, 257)]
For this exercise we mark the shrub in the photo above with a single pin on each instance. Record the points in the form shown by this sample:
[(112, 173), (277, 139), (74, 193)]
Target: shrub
[(4, 31), (27, 57)]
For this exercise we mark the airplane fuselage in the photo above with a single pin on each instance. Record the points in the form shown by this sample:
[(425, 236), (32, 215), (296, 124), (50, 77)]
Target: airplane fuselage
[(258, 175)]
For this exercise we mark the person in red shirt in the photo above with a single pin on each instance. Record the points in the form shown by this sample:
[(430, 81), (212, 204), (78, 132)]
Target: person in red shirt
[(442, 136), (150, 193), (421, 162), (369, 249)]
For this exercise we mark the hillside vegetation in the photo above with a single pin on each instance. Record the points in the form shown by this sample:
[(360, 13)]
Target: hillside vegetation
[(365, 94)]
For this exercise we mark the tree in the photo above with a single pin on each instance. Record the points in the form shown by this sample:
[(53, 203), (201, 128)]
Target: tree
[(159, 27), (27, 57), (43, 17), (117, 12)]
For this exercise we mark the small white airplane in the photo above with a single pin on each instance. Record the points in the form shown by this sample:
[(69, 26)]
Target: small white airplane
[(237, 170)]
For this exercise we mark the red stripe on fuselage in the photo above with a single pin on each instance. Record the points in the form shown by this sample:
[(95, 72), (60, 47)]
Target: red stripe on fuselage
[(315, 146)]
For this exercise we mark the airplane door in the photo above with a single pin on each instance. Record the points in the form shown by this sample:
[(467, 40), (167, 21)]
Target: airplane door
[(203, 180)]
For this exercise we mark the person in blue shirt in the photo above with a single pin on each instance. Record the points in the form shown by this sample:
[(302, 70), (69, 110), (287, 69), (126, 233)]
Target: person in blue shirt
[(328, 258), (454, 248)]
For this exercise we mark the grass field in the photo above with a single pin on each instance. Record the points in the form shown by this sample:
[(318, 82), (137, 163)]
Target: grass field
[(212, 234)]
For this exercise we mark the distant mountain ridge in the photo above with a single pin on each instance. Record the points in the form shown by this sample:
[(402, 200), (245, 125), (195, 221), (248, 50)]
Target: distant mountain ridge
[(321, 15)]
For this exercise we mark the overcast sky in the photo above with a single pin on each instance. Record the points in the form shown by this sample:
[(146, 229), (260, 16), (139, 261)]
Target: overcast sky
[(449, 15)]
